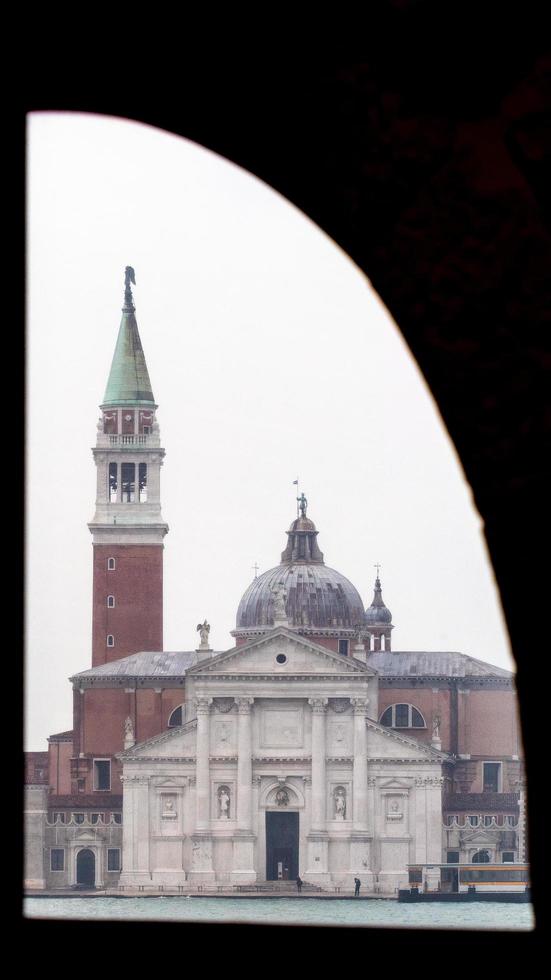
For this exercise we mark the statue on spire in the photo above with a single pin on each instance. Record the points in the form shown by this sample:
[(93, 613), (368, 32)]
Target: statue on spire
[(303, 503), (129, 277)]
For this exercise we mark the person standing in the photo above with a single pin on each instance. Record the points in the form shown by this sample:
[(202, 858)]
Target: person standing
[(357, 884), (299, 884)]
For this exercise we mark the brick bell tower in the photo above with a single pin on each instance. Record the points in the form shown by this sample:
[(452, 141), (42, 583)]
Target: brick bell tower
[(127, 527)]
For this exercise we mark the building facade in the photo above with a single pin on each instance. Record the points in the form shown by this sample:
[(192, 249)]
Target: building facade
[(311, 746)]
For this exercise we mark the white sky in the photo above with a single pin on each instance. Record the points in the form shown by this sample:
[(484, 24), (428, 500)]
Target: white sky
[(271, 358)]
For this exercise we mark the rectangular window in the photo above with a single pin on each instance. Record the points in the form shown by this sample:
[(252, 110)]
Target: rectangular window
[(57, 859), (491, 777), (487, 821), (128, 482), (453, 857), (113, 483), (402, 719), (510, 820), (95, 817), (102, 774), (58, 817), (473, 820), (113, 859), (343, 647), (508, 857), (78, 817), (117, 817), (142, 480)]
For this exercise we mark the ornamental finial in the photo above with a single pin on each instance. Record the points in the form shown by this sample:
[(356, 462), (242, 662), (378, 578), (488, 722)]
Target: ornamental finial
[(129, 277)]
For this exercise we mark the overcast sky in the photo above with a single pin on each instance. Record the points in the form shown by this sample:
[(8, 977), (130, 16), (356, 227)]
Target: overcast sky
[(271, 358)]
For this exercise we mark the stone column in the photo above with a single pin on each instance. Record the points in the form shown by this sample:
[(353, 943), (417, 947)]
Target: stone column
[(136, 831), (202, 774), (201, 841), (36, 809), (318, 838), (244, 763), (360, 842), (360, 763), (243, 844), (319, 792)]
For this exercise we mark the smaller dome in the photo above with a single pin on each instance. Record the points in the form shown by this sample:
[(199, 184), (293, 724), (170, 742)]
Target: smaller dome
[(302, 524), (377, 613)]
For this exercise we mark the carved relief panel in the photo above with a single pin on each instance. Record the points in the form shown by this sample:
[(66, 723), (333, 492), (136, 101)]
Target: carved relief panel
[(282, 728), (223, 736), (339, 737)]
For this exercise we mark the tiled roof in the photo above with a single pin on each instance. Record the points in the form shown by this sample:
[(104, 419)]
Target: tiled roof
[(398, 663), (145, 664)]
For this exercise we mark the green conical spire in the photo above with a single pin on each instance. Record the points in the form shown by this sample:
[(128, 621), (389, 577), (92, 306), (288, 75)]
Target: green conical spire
[(128, 381)]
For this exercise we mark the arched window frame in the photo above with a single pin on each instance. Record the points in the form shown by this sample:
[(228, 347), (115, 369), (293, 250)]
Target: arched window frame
[(111, 564), (411, 708), (110, 640), (173, 724), (110, 601)]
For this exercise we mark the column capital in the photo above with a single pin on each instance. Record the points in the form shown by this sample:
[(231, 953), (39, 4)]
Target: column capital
[(359, 705), (202, 705), (318, 705), (244, 705)]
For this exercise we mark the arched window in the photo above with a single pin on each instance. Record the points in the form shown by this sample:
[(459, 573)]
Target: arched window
[(481, 857), (402, 716), (110, 601), (110, 640), (110, 564), (177, 717)]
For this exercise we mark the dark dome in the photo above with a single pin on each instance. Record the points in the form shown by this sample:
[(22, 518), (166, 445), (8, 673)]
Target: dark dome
[(316, 596), (377, 613)]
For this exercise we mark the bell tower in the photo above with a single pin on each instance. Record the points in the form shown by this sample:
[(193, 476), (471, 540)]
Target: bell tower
[(127, 527)]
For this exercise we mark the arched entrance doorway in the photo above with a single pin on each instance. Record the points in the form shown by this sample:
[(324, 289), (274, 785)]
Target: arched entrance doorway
[(86, 868), (282, 839)]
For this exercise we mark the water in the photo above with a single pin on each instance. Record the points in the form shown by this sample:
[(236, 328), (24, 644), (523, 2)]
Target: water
[(287, 911)]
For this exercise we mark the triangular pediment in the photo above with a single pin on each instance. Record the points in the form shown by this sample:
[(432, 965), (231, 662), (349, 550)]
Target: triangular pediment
[(302, 656), (173, 744), (385, 742), (398, 784), (478, 837)]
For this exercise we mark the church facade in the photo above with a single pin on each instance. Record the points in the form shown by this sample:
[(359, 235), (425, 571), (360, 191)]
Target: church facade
[(310, 747)]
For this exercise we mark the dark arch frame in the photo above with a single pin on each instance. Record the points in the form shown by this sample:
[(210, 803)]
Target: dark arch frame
[(432, 180)]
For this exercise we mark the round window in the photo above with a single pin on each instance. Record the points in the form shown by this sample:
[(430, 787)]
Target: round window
[(281, 658)]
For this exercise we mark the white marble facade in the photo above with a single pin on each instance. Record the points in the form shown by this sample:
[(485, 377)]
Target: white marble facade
[(282, 726)]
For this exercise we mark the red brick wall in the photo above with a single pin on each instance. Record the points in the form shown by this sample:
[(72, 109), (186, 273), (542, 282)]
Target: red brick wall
[(488, 724), (59, 766), (491, 725), (103, 712), (136, 621)]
